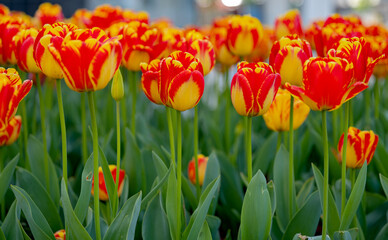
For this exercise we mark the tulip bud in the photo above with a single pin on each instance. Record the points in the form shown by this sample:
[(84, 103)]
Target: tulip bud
[(117, 90), (202, 163), (103, 193), (60, 235)]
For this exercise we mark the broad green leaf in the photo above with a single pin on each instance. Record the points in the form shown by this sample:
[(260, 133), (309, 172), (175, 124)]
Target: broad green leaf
[(198, 218), (155, 223), (2, 237), (384, 184), (256, 213), (212, 172), (171, 203), (310, 210), (81, 208), (333, 215), (40, 196), (123, 226), (305, 191), (10, 225), (131, 164), (342, 235), (266, 154), (299, 236), (6, 175), (383, 234), (214, 225), (381, 158), (109, 182), (205, 233), (354, 199), (272, 193), (39, 227), (160, 167), (188, 190), (74, 228)]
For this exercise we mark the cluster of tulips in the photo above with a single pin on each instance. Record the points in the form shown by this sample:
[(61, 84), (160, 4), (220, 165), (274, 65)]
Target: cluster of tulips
[(93, 47)]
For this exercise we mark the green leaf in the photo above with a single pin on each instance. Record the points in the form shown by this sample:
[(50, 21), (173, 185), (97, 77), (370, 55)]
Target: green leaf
[(384, 184), (272, 193), (198, 218), (354, 199), (333, 215), (74, 228), (2, 237), (160, 167), (214, 225), (6, 175), (381, 158), (39, 227), (212, 172), (155, 223), (383, 234), (266, 154), (188, 190), (304, 192), (299, 236), (131, 164), (81, 208), (124, 225), (171, 203), (109, 182), (40, 196), (344, 235), (311, 210), (205, 233), (10, 225), (256, 213)]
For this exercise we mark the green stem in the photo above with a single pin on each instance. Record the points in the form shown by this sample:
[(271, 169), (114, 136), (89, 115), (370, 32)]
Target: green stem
[(33, 120), (343, 164), (124, 116), (84, 136), (377, 98), (118, 140), (2, 201), (325, 174), (198, 187), (63, 130), (25, 134), (279, 142), (95, 164), (171, 133), (179, 173), (227, 112), (43, 124), (367, 108), (291, 190), (133, 91), (248, 142), (335, 124)]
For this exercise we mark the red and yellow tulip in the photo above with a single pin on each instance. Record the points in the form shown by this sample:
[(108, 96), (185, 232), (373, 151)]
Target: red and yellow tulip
[(360, 148), (48, 13), (103, 193), (81, 18), (150, 80), (4, 10), (289, 23), (24, 42), (11, 133), (87, 57), (377, 36), (263, 49), (202, 163), (60, 234), (253, 88), (327, 83), (104, 16), (287, 58), (277, 118)]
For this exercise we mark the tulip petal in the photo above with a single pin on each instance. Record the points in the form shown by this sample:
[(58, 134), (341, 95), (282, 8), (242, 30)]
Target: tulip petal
[(267, 92), (241, 95)]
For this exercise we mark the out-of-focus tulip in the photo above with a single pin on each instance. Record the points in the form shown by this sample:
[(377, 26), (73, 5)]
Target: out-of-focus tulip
[(141, 16), (104, 16), (263, 49), (87, 57), (103, 193), (4, 10), (287, 58), (181, 81), (327, 83), (11, 132), (140, 44), (48, 13), (277, 118), (253, 88), (377, 36), (60, 235), (24, 42), (244, 33), (43, 57), (117, 90), (12, 91), (81, 18), (150, 80), (313, 30), (202, 163), (360, 148), (289, 23), (357, 51)]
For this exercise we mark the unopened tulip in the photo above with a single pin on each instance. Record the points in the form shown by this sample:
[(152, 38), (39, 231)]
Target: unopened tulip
[(60, 235), (117, 90), (202, 163), (103, 193)]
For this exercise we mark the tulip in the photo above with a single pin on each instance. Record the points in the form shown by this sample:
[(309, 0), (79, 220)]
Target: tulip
[(48, 13), (60, 235), (11, 133), (150, 80), (263, 49), (24, 42), (287, 58), (104, 16), (43, 57), (277, 118), (203, 50), (289, 23), (4, 10), (202, 163), (81, 18), (103, 193), (253, 88), (360, 147), (218, 37), (117, 90), (244, 33)]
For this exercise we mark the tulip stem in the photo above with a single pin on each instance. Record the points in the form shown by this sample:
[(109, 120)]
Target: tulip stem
[(84, 136), (377, 98), (95, 165), (63, 130), (124, 115), (133, 86), (248, 146), (335, 124), (196, 152), (227, 111), (2, 201), (171, 133), (115, 202), (43, 124), (25, 134), (291, 190), (325, 174), (343, 164), (33, 121), (179, 173), (367, 108)]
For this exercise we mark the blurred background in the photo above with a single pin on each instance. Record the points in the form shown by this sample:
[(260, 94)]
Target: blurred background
[(201, 12)]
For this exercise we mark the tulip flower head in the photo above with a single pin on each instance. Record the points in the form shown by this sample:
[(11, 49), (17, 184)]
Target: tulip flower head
[(181, 81), (11, 133), (81, 18), (104, 16), (287, 58), (48, 13), (277, 118), (289, 23), (87, 57), (4, 10), (202, 163), (327, 83), (377, 36), (253, 88), (60, 235), (117, 90), (244, 33), (150, 80), (361, 147), (12, 91), (24, 42), (263, 49), (103, 193)]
